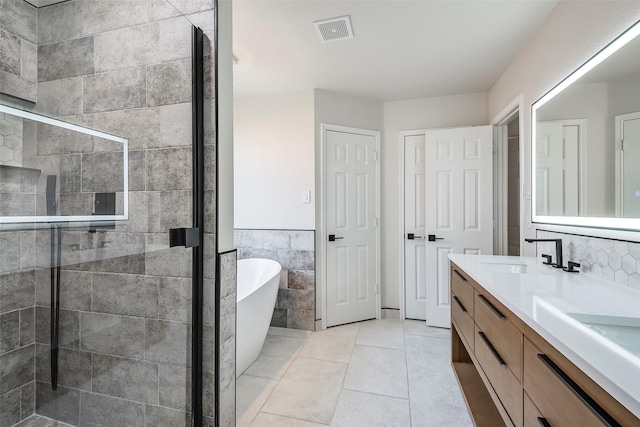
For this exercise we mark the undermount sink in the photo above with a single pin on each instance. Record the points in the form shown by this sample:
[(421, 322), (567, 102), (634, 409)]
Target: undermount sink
[(624, 331), (506, 267)]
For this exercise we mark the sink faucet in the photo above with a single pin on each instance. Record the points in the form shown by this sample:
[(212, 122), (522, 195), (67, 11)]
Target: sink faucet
[(558, 242)]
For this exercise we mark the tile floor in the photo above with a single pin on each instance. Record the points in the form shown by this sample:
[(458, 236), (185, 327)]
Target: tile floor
[(375, 373)]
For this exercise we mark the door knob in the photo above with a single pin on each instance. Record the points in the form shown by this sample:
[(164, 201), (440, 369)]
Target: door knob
[(333, 238), (433, 238), (412, 236)]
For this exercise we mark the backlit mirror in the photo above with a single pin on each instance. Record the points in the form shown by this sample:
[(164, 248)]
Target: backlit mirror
[(586, 142), (53, 171)]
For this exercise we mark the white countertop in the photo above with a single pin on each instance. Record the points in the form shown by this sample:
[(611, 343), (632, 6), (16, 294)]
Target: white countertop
[(550, 301)]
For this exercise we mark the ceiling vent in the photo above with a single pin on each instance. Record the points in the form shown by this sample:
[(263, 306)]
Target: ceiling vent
[(334, 29)]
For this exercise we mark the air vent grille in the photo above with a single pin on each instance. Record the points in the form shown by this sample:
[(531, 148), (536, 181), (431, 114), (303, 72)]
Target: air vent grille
[(334, 29)]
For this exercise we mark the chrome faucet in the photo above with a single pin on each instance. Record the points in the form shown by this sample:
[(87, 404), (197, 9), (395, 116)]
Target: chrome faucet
[(558, 242)]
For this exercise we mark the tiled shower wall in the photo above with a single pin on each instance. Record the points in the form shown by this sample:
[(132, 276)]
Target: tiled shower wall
[(614, 260), (124, 67), (18, 49), (295, 251)]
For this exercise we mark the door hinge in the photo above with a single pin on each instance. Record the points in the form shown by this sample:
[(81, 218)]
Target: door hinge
[(622, 145), (375, 156), (375, 222)]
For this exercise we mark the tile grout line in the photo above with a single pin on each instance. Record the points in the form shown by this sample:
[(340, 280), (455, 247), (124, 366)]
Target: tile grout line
[(406, 361)]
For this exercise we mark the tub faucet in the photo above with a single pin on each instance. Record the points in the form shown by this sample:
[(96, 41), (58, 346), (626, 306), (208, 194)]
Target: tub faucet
[(558, 242)]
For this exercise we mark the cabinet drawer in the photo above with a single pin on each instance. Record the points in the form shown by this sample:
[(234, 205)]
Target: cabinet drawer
[(461, 287), (492, 318), (462, 320), (533, 417), (558, 398), (505, 384)]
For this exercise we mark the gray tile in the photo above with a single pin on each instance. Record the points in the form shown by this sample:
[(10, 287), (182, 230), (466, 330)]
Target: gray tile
[(70, 58), (20, 18), (69, 327), (295, 260), (126, 378), (28, 399), (99, 410), (56, 140), (157, 416), (227, 317), (16, 290), (356, 408), (60, 98), (161, 9), (62, 404), (382, 333), (297, 393), (419, 327), (169, 169), (302, 279), (10, 408), (75, 290), (174, 384), (70, 173), (208, 393), (127, 294), (140, 126), (175, 125), (277, 354), (279, 318), (169, 83), (127, 47), (267, 420), (75, 204), (174, 299), (303, 240), (251, 393), (112, 334), (227, 374), (10, 52), (301, 319), (9, 331), (27, 326), (115, 90), (175, 39), (74, 367), (228, 273), (168, 342), (377, 370), (27, 250), (334, 344), (9, 264), (102, 172), (296, 299), (193, 6), (271, 239), (17, 87), (161, 261), (175, 209), (49, 18), (106, 15), (243, 238)]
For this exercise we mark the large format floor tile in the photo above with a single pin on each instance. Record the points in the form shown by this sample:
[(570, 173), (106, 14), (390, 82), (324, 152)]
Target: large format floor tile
[(277, 354), (308, 391), (381, 372), (369, 410), (378, 370)]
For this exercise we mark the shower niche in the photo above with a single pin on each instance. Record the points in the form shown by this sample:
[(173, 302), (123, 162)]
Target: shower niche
[(55, 171)]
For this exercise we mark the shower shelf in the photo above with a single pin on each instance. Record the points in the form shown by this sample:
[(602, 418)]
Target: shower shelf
[(20, 169)]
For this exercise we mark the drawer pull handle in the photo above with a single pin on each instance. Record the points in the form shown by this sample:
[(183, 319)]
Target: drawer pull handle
[(491, 306), (455, 298), (591, 404), (460, 275), (493, 349), (543, 422)]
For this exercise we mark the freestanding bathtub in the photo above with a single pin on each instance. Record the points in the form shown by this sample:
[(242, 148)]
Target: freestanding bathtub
[(258, 282)]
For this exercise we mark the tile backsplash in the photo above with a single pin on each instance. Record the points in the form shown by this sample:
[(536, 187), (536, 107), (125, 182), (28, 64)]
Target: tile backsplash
[(614, 260)]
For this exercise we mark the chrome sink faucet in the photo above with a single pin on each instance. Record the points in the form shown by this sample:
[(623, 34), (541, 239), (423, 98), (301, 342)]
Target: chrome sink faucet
[(558, 242)]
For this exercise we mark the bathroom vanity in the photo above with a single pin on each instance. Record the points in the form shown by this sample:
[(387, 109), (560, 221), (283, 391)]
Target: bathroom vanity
[(534, 346)]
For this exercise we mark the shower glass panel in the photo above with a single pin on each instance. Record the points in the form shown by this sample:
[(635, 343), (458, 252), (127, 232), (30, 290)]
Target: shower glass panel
[(96, 316)]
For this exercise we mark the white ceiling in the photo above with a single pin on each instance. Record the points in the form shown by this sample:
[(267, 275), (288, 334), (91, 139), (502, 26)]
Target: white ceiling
[(400, 49)]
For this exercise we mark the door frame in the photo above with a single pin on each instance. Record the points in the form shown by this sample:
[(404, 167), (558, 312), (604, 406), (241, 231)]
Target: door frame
[(401, 257), (321, 242), (501, 172)]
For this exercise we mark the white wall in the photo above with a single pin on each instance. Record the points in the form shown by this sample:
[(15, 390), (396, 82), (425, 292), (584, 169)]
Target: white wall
[(573, 33), (274, 161), (424, 113)]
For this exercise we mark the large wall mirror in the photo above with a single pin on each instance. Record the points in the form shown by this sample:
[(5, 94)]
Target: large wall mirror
[(53, 171), (586, 142)]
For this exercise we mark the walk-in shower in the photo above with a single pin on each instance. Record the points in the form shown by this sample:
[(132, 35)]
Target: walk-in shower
[(107, 142)]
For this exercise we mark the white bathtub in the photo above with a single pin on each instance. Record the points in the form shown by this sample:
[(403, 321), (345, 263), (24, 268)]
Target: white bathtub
[(258, 282)]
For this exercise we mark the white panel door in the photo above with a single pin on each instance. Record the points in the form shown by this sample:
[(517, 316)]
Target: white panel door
[(630, 149), (351, 272), (459, 207), (549, 167), (414, 222)]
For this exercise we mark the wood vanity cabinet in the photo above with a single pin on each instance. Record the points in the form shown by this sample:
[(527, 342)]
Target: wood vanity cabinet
[(510, 376)]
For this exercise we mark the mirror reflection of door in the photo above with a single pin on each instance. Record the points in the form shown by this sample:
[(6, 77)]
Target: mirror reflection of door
[(627, 155), (558, 172)]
